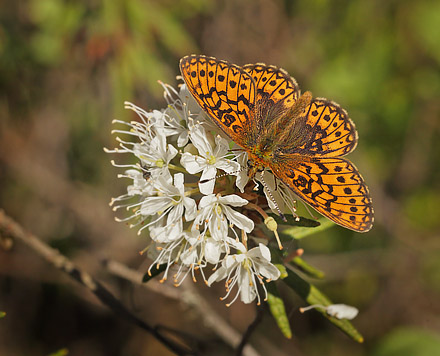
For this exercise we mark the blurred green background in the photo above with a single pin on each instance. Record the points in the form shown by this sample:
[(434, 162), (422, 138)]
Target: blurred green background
[(66, 68)]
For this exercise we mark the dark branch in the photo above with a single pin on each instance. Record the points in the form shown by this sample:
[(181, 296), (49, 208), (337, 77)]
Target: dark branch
[(251, 328), (10, 229)]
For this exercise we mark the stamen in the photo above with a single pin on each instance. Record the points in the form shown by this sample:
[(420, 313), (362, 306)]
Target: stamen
[(314, 306), (272, 226)]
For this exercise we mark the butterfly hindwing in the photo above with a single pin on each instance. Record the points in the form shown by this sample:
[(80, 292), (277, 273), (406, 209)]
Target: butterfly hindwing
[(333, 186), (225, 91), (331, 131)]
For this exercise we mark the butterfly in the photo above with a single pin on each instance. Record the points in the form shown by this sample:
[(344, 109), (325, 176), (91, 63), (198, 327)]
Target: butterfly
[(300, 139)]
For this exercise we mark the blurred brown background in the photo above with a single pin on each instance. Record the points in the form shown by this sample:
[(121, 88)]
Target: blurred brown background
[(66, 68)]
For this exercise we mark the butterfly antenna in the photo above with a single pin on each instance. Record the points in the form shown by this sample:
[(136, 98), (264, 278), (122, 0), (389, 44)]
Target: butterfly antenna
[(269, 192), (222, 175)]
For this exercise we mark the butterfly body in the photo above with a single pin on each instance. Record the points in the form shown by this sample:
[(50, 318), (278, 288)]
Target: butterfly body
[(272, 144), (299, 139)]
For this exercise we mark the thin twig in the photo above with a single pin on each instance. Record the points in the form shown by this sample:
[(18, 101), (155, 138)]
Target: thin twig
[(189, 295), (9, 228), (251, 328), (122, 271)]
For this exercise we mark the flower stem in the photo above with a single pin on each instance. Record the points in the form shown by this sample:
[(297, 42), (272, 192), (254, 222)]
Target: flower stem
[(176, 168), (191, 192)]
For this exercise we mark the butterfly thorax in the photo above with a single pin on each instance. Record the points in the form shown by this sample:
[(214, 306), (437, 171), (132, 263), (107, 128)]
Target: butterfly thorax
[(282, 133), (272, 159), (258, 160)]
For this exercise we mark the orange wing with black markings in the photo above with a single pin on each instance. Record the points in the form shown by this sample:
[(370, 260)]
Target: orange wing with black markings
[(333, 186), (299, 138), (331, 131), (274, 83), (225, 91)]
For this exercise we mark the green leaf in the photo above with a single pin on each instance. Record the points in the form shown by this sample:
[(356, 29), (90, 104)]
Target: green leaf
[(291, 221), (408, 341), (277, 309), (313, 295), (2, 314), (300, 231), (62, 352), (282, 269), (306, 268), (154, 272)]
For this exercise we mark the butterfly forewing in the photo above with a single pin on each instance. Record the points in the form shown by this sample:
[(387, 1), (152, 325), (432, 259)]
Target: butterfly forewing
[(225, 91), (331, 133), (274, 83), (333, 186)]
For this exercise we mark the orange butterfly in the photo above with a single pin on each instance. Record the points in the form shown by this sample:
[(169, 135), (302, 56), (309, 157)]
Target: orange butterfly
[(300, 139)]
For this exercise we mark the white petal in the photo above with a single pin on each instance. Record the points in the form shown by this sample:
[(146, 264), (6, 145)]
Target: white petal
[(238, 219), (261, 252), (232, 261), (182, 140), (178, 183), (269, 271), (208, 174), (193, 164), (156, 114), (200, 217), (200, 140), (176, 213), (192, 237), (227, 165), (242, 175), (171, 153), (218, 227), (134, 173), (190, 208), (165, 186), (218, 275), (152, 205), (242, 180), (207, 200), (265, 252), (233, 200), (189, 256), (165, 173), (237, 245), (212, 251), (165, 234), (160, 142), (221, 147), (342, 311), (247, 293)]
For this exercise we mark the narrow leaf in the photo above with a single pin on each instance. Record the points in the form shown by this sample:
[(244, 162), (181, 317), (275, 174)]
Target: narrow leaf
[(313, 295), (277, 309), (300, 231), (62, 352), (307, 268), (154, 272), (291, 220), (282, 269)]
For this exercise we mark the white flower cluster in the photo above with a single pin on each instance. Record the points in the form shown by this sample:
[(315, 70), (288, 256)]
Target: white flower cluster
[(181, 191)]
